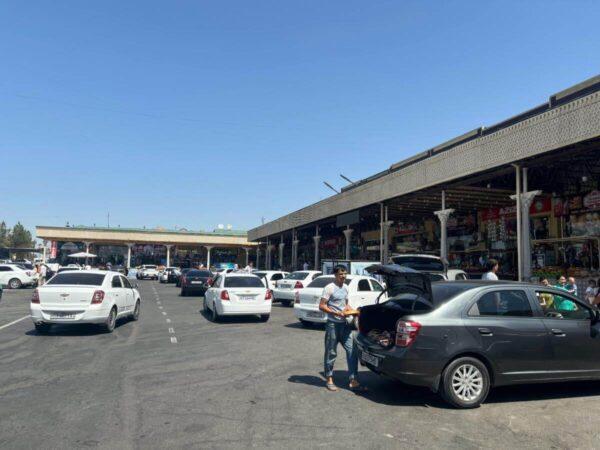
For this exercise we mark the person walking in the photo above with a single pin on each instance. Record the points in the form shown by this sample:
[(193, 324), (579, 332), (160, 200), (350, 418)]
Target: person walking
[(305, 265), (591, 291), (572, 286), (334, 302), (492, 268), (42, 275)]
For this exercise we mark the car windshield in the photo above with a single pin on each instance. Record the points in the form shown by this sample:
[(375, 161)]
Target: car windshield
[(85, 279), (419, 263), (67, 269), (321, 282), (251, 282), (297, 276)]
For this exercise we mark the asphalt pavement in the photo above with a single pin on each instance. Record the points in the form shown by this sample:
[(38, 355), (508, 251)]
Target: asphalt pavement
[(173, 379)]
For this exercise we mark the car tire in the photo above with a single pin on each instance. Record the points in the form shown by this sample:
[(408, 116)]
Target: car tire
[(15, 283), (214, 314), (42, 328), (264, 317), (135, 316), (111, 321), (465, 383), (305, 323), (290, 303)]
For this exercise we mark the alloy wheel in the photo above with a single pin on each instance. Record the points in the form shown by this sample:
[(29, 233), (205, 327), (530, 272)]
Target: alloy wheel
[(467, 382)]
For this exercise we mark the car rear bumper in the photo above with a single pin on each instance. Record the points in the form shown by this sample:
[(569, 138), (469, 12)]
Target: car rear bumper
[(284, 294), (233, 309), (396, 363), (309, 313), (44, 314)]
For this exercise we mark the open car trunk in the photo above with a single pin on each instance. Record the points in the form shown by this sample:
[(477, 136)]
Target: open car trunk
[(409, 293)]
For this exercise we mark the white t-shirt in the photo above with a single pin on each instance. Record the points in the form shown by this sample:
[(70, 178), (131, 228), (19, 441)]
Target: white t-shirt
[(337, 299), (490, 276)]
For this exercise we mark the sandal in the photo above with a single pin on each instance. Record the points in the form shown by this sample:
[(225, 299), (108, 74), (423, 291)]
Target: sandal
[(331, 387), (358, 388)]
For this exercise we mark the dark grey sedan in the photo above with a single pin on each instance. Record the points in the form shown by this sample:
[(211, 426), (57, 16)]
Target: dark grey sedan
[(460, 338)]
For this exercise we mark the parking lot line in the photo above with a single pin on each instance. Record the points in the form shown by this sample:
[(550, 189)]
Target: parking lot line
[(164, 313), (171, 330), (13, 322), (173, 340), (168, 320)]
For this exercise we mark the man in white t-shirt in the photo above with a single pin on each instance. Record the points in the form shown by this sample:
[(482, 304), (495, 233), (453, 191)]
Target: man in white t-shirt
[(492, 268), (334, 302)]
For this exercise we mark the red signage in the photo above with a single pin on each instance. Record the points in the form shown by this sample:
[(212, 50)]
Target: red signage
[(592, 200), (538, 206), (53, 249)]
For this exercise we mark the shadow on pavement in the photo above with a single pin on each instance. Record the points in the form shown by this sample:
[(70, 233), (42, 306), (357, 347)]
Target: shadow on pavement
[(533, 392), (299, 326), (223, 320), (75, 329)]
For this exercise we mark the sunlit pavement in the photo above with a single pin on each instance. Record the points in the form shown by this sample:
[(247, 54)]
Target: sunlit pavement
[(174, 379)]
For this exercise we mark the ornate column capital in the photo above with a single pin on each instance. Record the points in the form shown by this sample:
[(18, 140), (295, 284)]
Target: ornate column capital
[(444, 214), (348, 233), (527, 198), (316, 239)]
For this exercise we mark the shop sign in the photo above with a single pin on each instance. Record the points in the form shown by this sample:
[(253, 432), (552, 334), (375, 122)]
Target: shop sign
[(404, 228), (330, 243), (53, 249), (372, 248), (592, 200), (539, 206)]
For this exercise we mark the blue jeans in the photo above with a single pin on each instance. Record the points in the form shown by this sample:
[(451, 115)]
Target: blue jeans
[(340, 333)]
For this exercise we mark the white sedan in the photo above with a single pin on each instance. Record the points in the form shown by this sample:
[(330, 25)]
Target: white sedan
[(15, 277), (237, 294), (84, 296), (286, 289), (362, 291), (270, 277)]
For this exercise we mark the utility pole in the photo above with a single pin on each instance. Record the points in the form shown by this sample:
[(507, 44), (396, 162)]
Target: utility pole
[(108, 219)]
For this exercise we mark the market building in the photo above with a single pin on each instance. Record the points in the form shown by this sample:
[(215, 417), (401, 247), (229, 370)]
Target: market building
[(131, 247), (524, 191)]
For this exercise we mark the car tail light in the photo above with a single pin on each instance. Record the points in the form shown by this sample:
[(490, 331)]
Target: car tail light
[(35, 297), (298, 285), (297, 297), (225, 295), (406, 332), (268, 295), (97, 297)]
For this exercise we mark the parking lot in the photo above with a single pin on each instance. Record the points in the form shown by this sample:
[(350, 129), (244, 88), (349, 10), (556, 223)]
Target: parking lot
[(174, 379)]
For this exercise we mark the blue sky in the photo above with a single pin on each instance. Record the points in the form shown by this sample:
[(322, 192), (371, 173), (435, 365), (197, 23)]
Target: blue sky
[(193, 113)]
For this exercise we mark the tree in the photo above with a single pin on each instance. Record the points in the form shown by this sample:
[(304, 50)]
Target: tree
[(20, 237), (4, 234)]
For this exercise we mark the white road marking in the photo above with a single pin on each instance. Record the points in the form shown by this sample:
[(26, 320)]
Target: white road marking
[(173, 340), (160, 307), (164, 313), (158, 303), (168, 320), (13, 322), (172, 330)]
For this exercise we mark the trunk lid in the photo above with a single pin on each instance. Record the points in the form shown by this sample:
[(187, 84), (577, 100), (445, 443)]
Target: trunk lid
[(247, 296), (61, 296), (310, 296), (409, 293)]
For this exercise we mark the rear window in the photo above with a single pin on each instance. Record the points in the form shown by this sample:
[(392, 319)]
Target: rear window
[(442, 292), (321, 282), (297, 276), (198, 273), (241, 282), (85, 279), (420, 263), (67, 269), (150, 267)]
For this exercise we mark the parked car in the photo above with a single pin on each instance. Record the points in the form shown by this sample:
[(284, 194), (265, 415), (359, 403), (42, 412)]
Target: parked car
[(147, 271), (15, 277), (68, 269), (86, 296), (362, 290), (237, 294), (167, 275), (271, 277), (286, 289), (179, 277), (433, 265), (196, 281), (460, 338)]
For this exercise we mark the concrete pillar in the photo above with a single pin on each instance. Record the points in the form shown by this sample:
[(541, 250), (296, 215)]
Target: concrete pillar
[(168, 254), (281, 246), (208, 249), (317, 240), (129, 246), (348, 235), (87, 246), (295, 243), (443, 216), (44, 253), (247, 250), (386, 234), (257, 257)]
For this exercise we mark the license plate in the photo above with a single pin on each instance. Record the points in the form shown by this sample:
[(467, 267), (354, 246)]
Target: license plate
[(196, 282), (245, 298), (62, 315), (315, 314), (370, 359)]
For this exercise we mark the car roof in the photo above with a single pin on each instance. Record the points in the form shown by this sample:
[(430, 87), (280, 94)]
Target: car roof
[(419, 255), (238, 274), (487, 283)]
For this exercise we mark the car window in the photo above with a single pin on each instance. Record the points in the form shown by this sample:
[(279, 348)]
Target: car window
[(363, 285), (297, 276), (5, 269), (243, 282), (74, 278), (277, 276), (125, 283), (316, 275), (116, 282), (376, 286), (460, 276), (324, 281), (505, 303), (559, 306)]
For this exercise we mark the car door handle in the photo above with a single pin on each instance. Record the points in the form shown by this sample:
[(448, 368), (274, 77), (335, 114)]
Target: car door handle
[(558, 332), (485, 332)]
